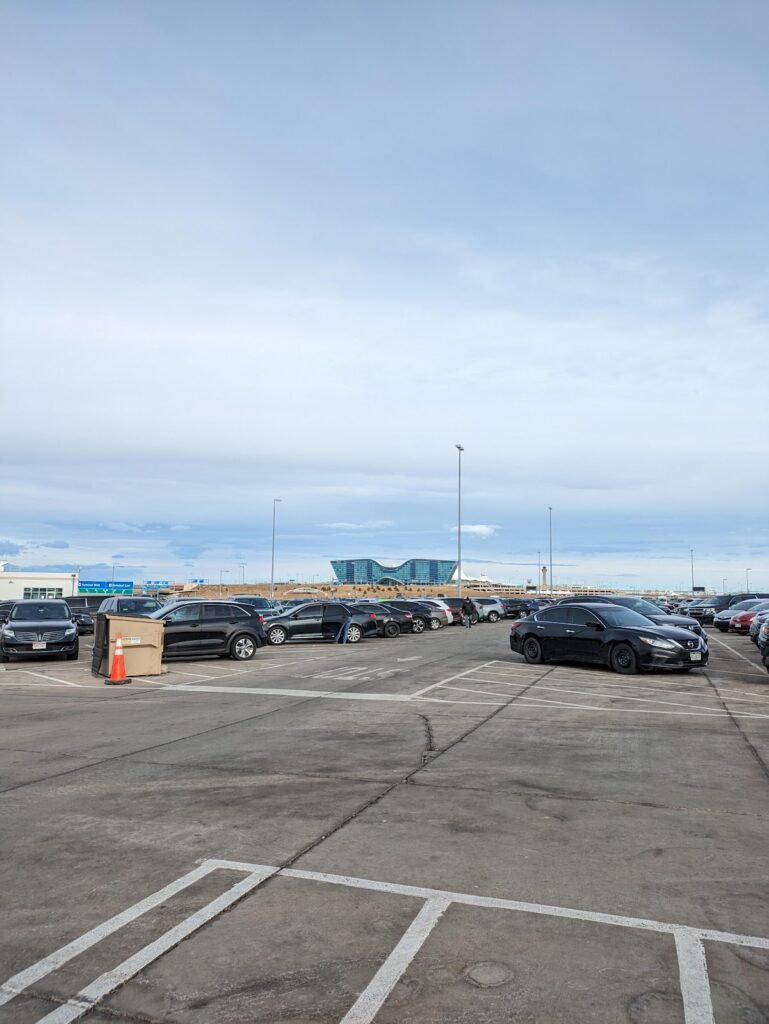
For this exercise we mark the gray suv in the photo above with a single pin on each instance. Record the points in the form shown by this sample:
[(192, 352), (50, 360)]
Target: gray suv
[(143, 606)]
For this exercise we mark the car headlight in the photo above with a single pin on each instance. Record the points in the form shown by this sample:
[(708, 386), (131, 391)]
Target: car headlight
[(666, 645), (70, 630), (8, 632)]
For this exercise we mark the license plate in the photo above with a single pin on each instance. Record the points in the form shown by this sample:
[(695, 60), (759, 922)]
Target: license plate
[(695, 656), (38, 646)]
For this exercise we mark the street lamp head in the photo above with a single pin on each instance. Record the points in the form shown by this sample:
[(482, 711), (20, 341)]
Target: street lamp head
[(459, 447)]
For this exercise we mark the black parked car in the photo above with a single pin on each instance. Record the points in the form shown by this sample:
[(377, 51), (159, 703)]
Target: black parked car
[(516, 607), (35, 628), (642, 606), (83, 620), (390, 622), (320, 621), (143, 606), (423, 616), (607, 634), (195, 628), (262, 604)]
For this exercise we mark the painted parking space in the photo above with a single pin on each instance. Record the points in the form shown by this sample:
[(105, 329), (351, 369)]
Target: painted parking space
[(679, 941)]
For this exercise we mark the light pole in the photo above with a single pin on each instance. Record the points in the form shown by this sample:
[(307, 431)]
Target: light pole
[(550, 515), (459, 449), (747, 579), (272, 564), (691, 556), (242, 567), (115, 565), (723, 585), (221, 577)]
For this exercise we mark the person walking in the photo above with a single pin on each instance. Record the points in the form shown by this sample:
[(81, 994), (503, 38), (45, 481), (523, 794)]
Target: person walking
[(468, 610)]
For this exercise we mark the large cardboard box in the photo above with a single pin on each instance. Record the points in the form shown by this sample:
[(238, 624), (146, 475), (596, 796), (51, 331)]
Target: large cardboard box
[(142, 644)]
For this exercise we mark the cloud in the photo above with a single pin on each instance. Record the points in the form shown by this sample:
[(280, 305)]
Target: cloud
[(7, 547), (57, 544), (118, 556), (482, 530), (369, 524)]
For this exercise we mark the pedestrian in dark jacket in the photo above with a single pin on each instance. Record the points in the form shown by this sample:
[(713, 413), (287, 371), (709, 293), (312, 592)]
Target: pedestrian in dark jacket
[(468, 610)]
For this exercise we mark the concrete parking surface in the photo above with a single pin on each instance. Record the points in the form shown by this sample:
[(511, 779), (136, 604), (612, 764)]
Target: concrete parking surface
[(409, 831)]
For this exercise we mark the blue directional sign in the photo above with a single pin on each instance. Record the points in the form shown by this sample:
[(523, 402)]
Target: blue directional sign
[(105, 587), (156, 583), (197, 581)]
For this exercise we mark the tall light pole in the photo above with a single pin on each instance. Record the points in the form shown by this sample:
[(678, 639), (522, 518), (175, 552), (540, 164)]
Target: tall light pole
[(691, 555), (459, 449), (723, 585), (747, 579), (242, 567), (221, 577), (550, 515), (272, 564)]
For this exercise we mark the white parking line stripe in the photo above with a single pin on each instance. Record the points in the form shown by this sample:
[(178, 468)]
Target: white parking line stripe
[(450, 679), (544, 702), (729, 648), (43, 967), (693, 971), (272, 691), (87, 998), (371, 1000), (64, 682)]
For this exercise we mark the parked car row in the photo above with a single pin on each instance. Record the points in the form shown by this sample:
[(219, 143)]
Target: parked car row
[(706, 609)]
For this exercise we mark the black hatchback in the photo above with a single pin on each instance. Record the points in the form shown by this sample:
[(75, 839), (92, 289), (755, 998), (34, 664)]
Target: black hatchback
[(606, 634), (35, 628), (197, 628)]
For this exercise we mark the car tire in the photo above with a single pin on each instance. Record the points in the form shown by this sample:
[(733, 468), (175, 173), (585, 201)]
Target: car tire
[(623, 660), (354, 633), (277, 635), (74, 654), (391, 629), (493, 616), (418, 625), (435, 624), (532, 651), (243, 647)]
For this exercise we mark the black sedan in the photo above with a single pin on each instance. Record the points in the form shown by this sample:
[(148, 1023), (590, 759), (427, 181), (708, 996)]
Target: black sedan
[(391, 622), (197, 628), (36, 628), (423, 616), (606, 634), (321, 621), (643, 607)]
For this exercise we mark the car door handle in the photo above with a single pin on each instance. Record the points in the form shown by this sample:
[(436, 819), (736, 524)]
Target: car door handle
[(540, 627), (571, 631)]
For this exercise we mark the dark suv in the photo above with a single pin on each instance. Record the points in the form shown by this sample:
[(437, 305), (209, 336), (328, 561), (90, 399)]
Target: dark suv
[(322, 621), (196, 628), (708, 608), (36, 628)]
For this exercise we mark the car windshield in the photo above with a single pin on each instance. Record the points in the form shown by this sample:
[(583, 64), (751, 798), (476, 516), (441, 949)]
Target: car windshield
[(621, 616), (49, 610), (640, 605)]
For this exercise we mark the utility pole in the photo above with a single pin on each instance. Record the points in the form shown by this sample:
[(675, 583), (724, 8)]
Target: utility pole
[(272, 564), (460, 449), (550, 514), (691, 555)]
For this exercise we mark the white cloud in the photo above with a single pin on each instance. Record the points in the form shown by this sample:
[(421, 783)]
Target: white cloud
[(369, 524), (483, 530)]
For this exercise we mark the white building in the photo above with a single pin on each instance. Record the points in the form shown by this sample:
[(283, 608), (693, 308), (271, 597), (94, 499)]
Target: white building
[(15, 586)]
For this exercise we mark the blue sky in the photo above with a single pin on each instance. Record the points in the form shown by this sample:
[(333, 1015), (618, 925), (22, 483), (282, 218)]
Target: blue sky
[(299, 250)]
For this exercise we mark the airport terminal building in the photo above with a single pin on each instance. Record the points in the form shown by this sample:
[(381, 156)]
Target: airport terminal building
[(415, 570)]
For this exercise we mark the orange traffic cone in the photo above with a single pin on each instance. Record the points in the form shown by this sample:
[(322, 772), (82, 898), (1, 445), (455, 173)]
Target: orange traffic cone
[(117, 675)]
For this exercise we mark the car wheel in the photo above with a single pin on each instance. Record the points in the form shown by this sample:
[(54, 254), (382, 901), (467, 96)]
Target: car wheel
[(243, 648), (532, 650), (435, 623), (493, 616), (74, 654), (277, 635), (623, 660), (391, 629), (354, 633), (418, 625)]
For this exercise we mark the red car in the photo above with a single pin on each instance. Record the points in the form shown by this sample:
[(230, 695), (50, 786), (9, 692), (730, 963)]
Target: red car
[(740, 623)]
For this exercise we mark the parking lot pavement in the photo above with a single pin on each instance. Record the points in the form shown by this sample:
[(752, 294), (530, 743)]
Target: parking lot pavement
[(417, 830)]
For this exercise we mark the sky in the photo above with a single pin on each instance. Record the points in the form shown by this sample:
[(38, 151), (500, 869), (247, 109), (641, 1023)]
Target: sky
[(300, 250)]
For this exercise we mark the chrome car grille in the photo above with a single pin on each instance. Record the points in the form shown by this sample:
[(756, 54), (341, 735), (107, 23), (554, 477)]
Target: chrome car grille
[(49, 636)]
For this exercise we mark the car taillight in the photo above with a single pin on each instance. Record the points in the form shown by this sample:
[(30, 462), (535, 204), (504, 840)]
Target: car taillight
[(516, 625), (371, 615), (408, 615), (261, 619)]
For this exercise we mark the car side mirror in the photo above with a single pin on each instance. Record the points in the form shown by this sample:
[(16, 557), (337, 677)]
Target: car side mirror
[(597, 626)]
